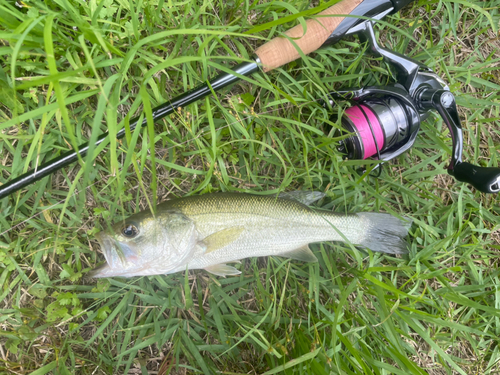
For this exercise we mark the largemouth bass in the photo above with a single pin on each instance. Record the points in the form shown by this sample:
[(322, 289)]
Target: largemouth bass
[(209, 231)]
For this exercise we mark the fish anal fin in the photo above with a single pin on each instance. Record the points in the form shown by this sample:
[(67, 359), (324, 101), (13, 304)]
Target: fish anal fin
[(222, 238), (222, 270), (303, 254)]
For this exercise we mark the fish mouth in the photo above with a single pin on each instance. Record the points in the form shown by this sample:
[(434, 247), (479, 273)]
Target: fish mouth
[(120, 258), (107, 247)]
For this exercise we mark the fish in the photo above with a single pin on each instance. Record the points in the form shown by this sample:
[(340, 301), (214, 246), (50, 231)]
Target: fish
[(212, 231)]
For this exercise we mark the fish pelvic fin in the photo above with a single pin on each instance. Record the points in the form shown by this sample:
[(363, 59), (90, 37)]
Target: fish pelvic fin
[(303, 254), (385, 233), (304, 197), (222, 270), (222, 238)]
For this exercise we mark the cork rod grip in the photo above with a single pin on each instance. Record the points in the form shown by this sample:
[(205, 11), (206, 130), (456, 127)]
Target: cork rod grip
[(280, 50)]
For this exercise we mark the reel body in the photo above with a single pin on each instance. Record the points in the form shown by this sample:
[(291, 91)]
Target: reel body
[(383, 122)]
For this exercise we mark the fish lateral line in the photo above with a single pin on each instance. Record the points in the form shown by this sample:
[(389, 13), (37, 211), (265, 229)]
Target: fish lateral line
[(212, 230)]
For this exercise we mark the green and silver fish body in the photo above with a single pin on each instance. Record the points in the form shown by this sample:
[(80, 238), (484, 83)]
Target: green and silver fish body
[(212, 230)]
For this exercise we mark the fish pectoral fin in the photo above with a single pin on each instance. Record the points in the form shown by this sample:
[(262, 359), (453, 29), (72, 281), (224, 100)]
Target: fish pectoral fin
[(222, 238), (303, 254), (222, 270)]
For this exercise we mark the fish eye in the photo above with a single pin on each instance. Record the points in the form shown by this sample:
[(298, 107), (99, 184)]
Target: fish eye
[(130, 231)]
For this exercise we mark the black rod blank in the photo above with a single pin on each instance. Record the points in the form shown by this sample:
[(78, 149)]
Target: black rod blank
[(219, 82)]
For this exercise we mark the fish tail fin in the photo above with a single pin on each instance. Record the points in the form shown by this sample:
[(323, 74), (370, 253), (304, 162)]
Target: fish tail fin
[(385, 233)]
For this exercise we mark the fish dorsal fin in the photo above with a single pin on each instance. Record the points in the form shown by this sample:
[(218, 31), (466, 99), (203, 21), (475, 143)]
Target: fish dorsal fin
[(304, 197), (222, 270), (222, 238), (303, 254)]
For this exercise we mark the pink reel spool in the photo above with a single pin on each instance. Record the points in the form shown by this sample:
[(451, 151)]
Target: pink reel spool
[(361, 117)]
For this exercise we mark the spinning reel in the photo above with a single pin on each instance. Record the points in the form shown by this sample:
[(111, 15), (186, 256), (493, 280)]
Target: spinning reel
[(384, 121)]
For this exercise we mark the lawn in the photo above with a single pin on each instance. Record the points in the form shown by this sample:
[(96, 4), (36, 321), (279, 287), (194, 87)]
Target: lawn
[(73, 69)]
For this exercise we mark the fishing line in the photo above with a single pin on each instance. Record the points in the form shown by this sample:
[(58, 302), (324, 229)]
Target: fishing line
[(367, 118)]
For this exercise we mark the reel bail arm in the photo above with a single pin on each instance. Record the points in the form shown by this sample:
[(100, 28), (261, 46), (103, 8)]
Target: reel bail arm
[(391, 115)]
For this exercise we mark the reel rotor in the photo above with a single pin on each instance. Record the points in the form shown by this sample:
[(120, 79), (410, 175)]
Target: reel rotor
[(383, 122)]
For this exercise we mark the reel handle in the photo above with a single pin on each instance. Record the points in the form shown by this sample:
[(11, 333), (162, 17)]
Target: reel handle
[(485, 179)]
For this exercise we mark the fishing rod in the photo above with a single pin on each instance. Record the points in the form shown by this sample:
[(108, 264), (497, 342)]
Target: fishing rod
[(331, 26), (347, 17)]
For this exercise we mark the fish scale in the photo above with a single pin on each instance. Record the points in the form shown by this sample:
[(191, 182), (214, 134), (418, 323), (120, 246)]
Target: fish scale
[(208, 231)]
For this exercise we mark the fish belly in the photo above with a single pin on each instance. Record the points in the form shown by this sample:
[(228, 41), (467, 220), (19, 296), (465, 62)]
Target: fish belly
[(265, 236)]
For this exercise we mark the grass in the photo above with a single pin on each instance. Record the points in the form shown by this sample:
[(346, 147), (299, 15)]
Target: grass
[(75, 69)]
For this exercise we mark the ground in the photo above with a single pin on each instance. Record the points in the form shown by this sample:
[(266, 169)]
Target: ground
[(76, 69)]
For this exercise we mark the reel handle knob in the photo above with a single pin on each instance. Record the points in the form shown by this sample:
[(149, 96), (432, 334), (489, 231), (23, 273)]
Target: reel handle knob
[(485, 179)]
